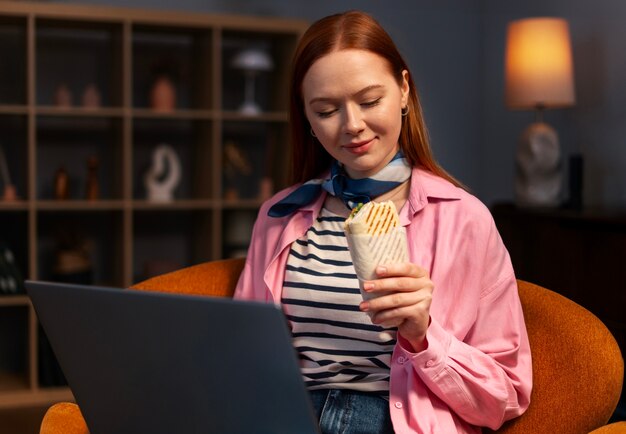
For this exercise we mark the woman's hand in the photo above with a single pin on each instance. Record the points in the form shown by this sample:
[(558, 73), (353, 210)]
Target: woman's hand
[(405, 295)]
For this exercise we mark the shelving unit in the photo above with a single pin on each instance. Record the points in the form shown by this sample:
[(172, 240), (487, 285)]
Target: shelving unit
[(56, 52)]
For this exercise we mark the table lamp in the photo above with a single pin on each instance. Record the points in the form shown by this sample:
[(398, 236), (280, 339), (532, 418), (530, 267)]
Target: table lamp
[(539, 75), (251, 61)]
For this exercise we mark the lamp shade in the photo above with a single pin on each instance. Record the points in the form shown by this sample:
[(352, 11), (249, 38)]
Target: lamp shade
[(538, 64), (253, 60)]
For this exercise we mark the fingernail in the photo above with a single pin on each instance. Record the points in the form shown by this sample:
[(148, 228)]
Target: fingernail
[(381, 271), (364, 306), (367, 286)]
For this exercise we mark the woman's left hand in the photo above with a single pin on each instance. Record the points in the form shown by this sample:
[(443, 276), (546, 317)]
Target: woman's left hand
[(405, 295)]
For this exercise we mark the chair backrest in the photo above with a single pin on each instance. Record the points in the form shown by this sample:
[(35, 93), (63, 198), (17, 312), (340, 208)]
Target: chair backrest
[(577, 365), (578, 368), (215, 278)]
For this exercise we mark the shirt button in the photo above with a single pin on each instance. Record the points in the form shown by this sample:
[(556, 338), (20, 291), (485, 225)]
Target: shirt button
[(401, 360), (398, 404), (430, 363)]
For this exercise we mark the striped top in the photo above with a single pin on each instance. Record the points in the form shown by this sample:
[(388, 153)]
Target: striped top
[(338, 345)]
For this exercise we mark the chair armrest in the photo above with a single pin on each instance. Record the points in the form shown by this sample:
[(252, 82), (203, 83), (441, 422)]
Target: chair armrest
[(614, 428), (63, 418)]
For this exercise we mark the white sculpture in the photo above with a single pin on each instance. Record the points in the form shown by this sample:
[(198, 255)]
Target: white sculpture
[(538, 180), (164, 174)]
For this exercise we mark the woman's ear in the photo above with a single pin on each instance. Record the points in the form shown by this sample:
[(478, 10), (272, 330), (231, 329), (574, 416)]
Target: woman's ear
[(404, 87)]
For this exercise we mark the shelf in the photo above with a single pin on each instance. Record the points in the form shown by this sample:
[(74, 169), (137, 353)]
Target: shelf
[(147, 113), (179, 114), (39, 397), (93, 49), (69, 143), (170, 239), (242, 204), (99, 112), (188, 139), (6, 109), (170, 54), (270, 90), (14, 300), (80, 205), (12, 383), (261, 117), (237, 229), (89, 96), (17, 205), (255, 160), (183, 205)]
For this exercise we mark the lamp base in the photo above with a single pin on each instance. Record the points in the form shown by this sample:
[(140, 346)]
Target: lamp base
[(538, 180), (250, 108)]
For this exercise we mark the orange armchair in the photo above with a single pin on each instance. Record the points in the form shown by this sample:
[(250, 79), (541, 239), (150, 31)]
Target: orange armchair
[(577, 365)]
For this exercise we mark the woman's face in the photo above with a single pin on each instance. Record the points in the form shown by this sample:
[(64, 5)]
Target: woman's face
[(354, 105)]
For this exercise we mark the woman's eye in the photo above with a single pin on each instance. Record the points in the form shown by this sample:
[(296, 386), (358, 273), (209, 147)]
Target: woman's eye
[(371, 103), (326, 114)]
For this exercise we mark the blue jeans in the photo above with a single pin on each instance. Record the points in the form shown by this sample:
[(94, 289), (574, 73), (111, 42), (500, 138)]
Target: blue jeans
[(351, 412)]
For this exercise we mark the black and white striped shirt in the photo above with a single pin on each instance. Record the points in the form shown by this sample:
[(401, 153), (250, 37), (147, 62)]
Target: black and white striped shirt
[(338, 345)]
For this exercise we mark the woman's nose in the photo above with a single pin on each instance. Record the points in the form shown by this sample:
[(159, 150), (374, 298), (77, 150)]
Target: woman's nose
[(353, 122)]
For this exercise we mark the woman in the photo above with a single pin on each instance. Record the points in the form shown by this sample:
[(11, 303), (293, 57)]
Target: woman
[(458, 358)]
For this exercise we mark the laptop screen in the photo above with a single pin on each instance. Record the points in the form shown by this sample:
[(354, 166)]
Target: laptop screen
[(141, 361)]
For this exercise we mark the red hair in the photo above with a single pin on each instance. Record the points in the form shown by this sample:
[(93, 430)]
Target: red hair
[(351, 30)]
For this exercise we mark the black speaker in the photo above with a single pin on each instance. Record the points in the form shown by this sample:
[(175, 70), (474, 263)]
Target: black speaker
[(575, 181)]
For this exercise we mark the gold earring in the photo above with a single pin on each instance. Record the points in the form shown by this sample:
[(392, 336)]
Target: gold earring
[(405, 111), (313, 133)]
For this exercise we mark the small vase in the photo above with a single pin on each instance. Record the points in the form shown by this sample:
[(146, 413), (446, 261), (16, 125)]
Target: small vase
[(91, 96), (63, 96), (92, 190), (61, 184), (163, 94)]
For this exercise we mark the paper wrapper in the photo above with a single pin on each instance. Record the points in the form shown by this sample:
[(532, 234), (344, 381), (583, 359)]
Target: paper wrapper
[(370, 251)]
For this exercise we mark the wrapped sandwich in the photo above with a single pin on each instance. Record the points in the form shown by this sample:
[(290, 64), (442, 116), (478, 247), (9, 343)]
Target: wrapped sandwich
[(374, 237)]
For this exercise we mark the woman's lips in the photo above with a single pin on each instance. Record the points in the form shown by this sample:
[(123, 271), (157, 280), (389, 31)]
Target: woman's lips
[(358, 147)]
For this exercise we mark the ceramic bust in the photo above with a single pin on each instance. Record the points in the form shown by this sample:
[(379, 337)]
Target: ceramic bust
[(538, 181)]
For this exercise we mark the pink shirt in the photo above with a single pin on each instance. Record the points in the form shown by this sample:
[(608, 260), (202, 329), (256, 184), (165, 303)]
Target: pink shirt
[(477, 369)]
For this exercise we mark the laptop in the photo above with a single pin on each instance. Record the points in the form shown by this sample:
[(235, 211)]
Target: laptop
[(150, 362)]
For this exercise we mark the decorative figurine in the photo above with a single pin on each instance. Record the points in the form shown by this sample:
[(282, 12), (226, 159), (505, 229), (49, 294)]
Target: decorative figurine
[(9, 192), (63, 96), (163, 94), (164, 174), (73, 263), (61, 184), (91, 96), (92, 190), (538, 167), (236, 165), (266, 188), (11, 280)]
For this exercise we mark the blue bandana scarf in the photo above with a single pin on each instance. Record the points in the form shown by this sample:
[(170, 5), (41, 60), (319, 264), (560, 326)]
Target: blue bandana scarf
[(350, 191)]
